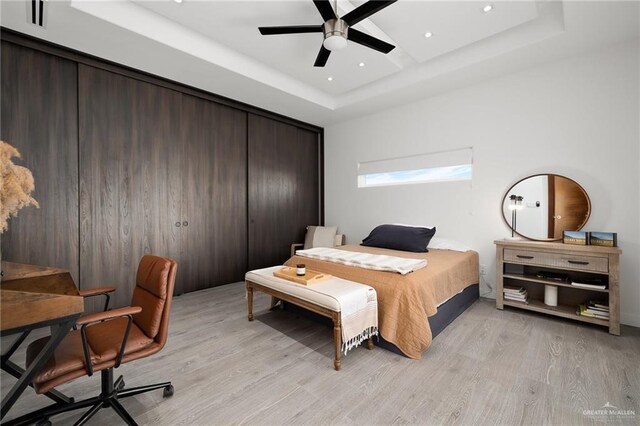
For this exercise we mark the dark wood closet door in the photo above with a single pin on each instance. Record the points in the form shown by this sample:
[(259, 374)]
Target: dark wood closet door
[(130, 184), (214, 244), (39, 118), (283, 188)]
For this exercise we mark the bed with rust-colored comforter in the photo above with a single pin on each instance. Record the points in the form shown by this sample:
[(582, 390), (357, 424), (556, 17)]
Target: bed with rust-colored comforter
[(405, 301)]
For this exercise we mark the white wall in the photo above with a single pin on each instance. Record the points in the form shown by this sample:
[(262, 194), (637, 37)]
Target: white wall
[(579, 117)]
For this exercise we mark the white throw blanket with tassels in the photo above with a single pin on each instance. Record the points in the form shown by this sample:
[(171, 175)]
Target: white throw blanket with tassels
[(377, 262), (358, 309)]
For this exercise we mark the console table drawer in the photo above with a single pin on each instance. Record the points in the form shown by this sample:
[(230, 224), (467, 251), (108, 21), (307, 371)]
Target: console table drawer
[(557, 260)]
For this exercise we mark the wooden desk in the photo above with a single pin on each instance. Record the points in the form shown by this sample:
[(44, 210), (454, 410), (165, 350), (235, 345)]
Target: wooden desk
[(15, 271), (33, 297)]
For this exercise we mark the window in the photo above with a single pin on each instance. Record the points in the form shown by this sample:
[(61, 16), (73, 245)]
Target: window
[(443, 166)]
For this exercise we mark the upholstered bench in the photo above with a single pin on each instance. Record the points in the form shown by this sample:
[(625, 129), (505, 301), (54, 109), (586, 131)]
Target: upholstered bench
[(352, 306)]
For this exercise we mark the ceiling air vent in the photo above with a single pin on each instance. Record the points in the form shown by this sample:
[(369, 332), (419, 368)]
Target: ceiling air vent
[(36, 13)]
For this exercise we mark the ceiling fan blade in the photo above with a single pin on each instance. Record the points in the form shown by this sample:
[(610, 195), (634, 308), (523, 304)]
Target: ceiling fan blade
[(365, 10), (323, 55), (369, 41), (293, 29), (325, 9)]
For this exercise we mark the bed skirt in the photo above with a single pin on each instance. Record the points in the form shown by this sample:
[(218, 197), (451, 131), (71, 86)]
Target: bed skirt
[(447, 312)]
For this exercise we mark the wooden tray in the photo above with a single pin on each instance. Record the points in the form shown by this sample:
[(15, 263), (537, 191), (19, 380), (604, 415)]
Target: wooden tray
[(311, 277)]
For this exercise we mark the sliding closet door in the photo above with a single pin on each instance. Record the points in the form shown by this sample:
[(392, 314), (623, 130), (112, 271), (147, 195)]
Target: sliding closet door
[(39, 118), (283, 188), (214, 240), (130, 184)]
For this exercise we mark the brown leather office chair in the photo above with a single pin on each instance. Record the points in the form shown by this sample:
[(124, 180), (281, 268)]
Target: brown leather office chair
[(107, 339)]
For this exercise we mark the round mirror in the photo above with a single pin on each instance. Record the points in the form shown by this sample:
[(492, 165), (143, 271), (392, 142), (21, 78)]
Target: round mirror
[(541, 207)]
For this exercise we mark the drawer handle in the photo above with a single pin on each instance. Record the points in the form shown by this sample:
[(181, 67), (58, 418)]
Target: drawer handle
[(577, 262), (519, 256)]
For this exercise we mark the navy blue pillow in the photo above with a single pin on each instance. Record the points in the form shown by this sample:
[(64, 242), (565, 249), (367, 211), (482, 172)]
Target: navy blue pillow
[(395, 237)]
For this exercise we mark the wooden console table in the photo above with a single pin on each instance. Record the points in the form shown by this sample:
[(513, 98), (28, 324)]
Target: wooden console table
[(33, 297), (520, 263)]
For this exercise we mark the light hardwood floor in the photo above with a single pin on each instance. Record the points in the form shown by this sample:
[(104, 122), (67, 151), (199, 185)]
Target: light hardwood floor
[(488, 367)]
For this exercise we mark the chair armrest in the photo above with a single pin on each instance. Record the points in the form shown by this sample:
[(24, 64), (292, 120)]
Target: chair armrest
[(87, 320), (99, 291), (108, 315), (295, 247)]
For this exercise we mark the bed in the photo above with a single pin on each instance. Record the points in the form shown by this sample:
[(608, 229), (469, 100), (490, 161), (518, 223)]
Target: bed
[(413, 307)]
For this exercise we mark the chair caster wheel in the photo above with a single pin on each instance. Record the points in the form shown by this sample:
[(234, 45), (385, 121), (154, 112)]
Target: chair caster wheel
[(168, 391), (43, 423)]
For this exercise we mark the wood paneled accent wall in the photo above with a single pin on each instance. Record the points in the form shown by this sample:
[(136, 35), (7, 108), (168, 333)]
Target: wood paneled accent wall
[(283, 188), (214, 202), (130, 169), (126, 164), (39, 117)]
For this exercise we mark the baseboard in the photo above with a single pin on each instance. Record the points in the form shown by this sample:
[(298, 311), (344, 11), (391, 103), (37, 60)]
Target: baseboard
[(630, 319)]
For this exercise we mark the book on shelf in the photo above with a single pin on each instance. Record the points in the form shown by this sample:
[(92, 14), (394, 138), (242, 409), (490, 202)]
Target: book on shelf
[(584, 311), (601, 305), (598, 307), (592, 283), (598, 314), (523, 297), (517, 299), (513, 290), (517, 295), (599, 311), (589, 286)]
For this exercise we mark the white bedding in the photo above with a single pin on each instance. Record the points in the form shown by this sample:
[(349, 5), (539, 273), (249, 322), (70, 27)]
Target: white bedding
[(446, 244)]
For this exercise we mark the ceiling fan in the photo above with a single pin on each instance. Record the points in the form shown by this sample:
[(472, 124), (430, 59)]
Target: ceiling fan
[(338, 30)]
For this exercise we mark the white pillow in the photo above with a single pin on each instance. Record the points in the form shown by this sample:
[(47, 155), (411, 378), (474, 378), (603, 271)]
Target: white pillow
[(445, 244), (413, 226)]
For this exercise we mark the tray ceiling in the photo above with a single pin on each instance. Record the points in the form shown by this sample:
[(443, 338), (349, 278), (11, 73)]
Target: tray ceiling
[(216, 46)]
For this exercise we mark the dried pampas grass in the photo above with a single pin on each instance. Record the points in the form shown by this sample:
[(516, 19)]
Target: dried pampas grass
[(16, 186)]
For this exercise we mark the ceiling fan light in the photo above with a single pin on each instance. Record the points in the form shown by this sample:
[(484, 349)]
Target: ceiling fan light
[(334, 42), (335, 34)]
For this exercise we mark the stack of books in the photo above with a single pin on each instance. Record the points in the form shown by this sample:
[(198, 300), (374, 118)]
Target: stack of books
[(594, 310), (519, 294)]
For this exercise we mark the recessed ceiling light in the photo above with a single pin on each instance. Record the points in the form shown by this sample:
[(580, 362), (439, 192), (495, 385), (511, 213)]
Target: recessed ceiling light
[(428, 34), (487, 8), (330, 78), (361, 64)]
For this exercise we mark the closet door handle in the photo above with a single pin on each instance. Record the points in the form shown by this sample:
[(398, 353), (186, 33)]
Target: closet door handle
[(577, 262), (177, 224), (519, 256), (185, 223)]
